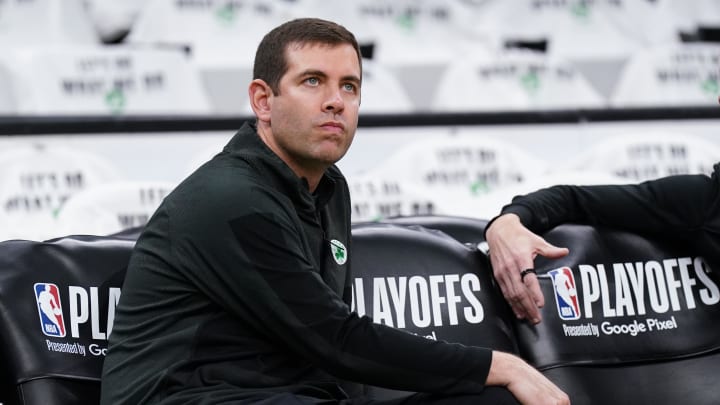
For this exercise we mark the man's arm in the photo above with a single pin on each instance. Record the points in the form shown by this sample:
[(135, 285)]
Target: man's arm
[(263, 275), (680, 205)]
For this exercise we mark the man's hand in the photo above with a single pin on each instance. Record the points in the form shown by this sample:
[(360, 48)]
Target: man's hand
[(513, 248), (527, 384)]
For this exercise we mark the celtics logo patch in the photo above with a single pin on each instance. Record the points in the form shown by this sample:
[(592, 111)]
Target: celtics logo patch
[(339, 252)]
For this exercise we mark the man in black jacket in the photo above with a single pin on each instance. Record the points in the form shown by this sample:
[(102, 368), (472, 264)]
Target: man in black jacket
[(238, 289), (684, 206)]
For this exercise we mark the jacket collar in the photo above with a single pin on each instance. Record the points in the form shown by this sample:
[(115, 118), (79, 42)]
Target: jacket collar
[(247, 145)]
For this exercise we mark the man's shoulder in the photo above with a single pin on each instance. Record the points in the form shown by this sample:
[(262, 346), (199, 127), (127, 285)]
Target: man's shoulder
[(221, 188)]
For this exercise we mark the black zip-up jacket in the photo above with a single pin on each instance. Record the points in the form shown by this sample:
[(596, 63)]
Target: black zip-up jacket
[(685, 208), (234, 293)]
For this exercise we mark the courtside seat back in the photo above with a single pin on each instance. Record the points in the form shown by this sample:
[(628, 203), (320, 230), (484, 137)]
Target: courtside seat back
[(666, 75), (627, 318), (223, 40), (429, 284), (35, 181), (648, 155), (514, 80), (463, 229), (57, 305), (690, 380), (112, 207), (96, 80), (456, 168), (45, 22)]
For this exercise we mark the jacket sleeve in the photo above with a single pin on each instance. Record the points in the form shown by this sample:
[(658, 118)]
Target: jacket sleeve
[(257, 266), (680, 204)]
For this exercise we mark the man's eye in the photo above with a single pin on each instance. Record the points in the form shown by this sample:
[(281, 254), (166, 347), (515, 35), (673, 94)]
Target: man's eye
[(349, 87), (313, 81)]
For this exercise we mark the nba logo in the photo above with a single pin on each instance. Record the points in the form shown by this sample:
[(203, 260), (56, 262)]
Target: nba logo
[(565, 293), (47, 297)]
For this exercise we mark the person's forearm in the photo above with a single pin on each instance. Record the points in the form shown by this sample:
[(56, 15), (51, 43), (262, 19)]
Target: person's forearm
[(669, 204), (546, 208)]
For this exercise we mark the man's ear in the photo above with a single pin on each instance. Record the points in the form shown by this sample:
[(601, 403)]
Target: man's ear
[(260, 95)]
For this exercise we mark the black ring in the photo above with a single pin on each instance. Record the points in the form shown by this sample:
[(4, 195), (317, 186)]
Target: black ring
[(525, 273)]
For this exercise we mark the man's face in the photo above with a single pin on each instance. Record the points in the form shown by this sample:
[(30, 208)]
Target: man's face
[(314, 117)]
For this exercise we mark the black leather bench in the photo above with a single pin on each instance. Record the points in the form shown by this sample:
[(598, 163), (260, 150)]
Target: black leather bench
[(635, 319)]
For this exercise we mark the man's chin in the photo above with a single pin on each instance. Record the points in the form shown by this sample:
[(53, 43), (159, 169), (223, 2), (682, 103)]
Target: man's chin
[(331, 157)]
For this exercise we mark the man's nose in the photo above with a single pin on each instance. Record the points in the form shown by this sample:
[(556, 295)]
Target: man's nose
[(334, 102)]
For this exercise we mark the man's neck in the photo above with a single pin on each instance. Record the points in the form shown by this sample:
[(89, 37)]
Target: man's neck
[(307, 172)]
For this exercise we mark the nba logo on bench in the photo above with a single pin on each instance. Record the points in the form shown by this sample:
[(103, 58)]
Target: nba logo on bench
[(565, 293), (47, 296)]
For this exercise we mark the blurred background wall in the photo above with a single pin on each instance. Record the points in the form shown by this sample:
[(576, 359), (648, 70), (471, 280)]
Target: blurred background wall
[(106, 105)]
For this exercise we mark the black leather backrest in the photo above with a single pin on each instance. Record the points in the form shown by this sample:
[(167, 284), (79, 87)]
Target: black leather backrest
[(464, 229), (630, 298), (634, 321), (628, 319), (57, 302), (430, 284)]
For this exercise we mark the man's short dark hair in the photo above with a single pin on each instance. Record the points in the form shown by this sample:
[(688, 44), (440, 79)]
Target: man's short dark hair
[(270, 58)]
